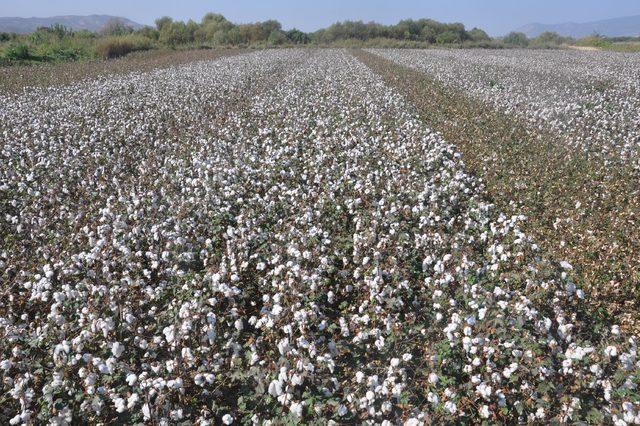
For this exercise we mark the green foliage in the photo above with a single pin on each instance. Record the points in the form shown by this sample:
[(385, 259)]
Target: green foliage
[(296, 36), (277, 37), (478, 35), (175, 33), (58, 43), (117, 46), (616, 44), (448, 37), (17, 52), (7, 37), (421, 30), (162, 22), (149, 32), (115, 27), (594, 40), (516, 39), (550, 39)]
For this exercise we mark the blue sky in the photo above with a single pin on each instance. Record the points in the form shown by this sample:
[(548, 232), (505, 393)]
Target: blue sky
[(496, 16)]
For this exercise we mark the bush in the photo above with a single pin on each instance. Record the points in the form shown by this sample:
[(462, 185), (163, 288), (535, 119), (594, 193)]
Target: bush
[(478, 35), (115, 27), (17, 52), (516, 39), (7, 36), (448, 37), (594, 41), (117, 46), (549, 39)]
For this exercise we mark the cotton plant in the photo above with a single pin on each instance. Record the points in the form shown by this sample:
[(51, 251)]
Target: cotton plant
[(276, 236), (590, 99)]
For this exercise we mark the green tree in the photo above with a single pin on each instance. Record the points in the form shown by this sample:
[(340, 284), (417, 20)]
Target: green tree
[(476, 34), (296, 36), (277, 37), (549, 38), (175, 33), (448, 37), (516, 39), (115, 27), (163, 22)]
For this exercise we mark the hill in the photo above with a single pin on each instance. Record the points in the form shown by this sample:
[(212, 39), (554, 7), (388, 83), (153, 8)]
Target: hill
[(91, 23), (617, 27)]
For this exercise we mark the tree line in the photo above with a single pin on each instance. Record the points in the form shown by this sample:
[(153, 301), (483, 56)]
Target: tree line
[(57, 43)]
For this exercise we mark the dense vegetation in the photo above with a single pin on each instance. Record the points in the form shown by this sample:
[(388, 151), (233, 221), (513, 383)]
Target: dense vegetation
[(60, 44)]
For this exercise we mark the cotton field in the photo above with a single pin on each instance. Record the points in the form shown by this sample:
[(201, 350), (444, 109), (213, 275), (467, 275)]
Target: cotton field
[(590, 98), (276, 236)]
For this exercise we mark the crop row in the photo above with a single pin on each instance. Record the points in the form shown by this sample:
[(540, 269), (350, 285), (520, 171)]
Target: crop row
[(170, 253)]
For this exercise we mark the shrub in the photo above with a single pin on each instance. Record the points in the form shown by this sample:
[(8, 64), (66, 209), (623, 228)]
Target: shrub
[(516, 39), (594, 40), (448, 37), (476, 34), (549, 39), (7, 36), (116, 46), (115, 27), (17, 52)]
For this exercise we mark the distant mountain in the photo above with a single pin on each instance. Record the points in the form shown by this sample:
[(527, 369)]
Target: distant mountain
[(91, 23), (618, 27)]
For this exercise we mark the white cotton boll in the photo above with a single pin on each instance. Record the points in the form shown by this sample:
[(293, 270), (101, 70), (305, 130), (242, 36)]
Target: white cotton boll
[(484, 412), (131, 379), (611, 351), (342, 410), (433, 378), (596, 369), (275, 388), (6, 364), (132, 400), (239, 325), (176, 415), (407, 357), (146, 412), (484, 390), (117, 349), (296, 380), (566, 265), (359, 377), (120, 405), (451, 407), (482, 312), (254, 358), (199, 379), (395, 362), (227, 419), (187, 354), (296, 409), (169, 333)]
